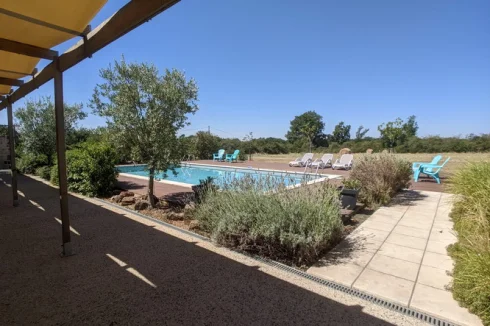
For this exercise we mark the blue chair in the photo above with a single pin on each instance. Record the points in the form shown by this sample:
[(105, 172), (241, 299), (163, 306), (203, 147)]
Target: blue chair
[(232, 157), (435, 160), (430, 170), (219, 156)]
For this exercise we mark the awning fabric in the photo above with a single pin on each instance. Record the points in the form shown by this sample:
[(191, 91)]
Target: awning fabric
[(45, 24)]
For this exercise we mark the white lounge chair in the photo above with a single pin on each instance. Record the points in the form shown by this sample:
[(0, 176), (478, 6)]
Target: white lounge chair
[(302, 161), (321, 163), (345, 162)]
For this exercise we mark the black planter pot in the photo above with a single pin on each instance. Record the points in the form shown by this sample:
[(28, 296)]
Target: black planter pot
[(348, 198)]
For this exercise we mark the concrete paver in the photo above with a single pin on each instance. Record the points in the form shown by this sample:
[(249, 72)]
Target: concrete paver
[(410, 231), (411, 265), (345, 273), (440, 303), (385, 286), (438, 247), (405, 253), (407, 241), (438, 261), (435, 277), (394, 266)]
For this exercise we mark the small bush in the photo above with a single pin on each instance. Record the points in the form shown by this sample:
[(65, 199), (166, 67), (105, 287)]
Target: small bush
[(91, 169), (381, 177), (44, 172), (471, 216), (54, 175), (295, 225), (28, 162)]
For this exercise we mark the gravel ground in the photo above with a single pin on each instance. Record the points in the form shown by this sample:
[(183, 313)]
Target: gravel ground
[(131, 270)]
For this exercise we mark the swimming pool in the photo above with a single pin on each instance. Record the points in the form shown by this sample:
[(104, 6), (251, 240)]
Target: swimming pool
[(191, 174)]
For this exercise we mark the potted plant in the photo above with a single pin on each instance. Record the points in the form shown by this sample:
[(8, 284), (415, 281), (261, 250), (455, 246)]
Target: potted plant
[(349, 192)]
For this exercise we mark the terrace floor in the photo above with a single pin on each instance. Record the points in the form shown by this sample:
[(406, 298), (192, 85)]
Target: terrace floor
[(131, 270), (399, 254), (139, 186)]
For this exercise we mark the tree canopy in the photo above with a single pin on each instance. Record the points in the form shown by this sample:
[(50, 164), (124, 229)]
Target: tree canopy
[(341, 133), (309, 126), (37, 125), (361, 132), (396, 132), (144, 110)]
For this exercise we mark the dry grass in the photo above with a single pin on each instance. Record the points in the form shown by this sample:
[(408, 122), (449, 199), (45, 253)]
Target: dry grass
[(457, 161)]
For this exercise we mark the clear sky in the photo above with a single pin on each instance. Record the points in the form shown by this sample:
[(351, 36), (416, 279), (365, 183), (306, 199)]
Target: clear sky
[(260, 63)]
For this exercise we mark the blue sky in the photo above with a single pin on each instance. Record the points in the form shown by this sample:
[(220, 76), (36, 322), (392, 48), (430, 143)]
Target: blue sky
[(260, 63)]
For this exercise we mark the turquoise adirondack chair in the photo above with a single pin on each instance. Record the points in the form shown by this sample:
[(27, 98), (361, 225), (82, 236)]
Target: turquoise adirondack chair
[(430, 170), (435, 160), (233, 157), (219, 156)]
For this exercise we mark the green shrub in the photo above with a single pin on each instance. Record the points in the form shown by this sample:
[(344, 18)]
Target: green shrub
[(381, 176), (471, 216), (54, 175), (44, 172), (28, 162), (295, 225), (91, 169)]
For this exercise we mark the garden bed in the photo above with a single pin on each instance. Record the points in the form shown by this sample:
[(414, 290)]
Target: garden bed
[(178, 209)]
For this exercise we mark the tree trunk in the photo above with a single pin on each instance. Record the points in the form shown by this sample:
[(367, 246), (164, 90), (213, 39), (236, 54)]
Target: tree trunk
[(151, 198)]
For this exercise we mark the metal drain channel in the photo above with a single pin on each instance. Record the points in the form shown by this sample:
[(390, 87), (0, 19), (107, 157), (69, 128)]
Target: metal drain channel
[(333, 285)]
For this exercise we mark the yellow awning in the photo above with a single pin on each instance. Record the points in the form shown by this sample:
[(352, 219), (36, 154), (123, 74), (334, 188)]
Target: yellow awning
[(44, 24)]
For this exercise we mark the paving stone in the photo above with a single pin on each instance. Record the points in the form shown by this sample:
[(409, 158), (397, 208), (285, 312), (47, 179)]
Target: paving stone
[(438, 261), (378, 225), (394, 266), (389, 212), (441, 304), (442, 234), (416, 223), (358, 253), (434, 277), (448, 225), (405, 253), (343, 273), (362, 233), (385, 286), (437, 247), (407, 241), (413, 232), (383, 219), (428, 214)]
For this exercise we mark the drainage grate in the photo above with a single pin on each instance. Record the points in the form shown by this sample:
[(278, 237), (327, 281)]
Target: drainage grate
[(362, 295)]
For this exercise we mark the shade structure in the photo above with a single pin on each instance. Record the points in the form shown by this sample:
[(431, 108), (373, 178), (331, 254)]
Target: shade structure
[(41, 24), (46, 24)]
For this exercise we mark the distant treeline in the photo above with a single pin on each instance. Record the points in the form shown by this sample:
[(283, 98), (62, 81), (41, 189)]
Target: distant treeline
[(203, 144)]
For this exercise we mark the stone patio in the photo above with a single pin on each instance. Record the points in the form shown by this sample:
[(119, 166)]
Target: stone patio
[(399, 254)]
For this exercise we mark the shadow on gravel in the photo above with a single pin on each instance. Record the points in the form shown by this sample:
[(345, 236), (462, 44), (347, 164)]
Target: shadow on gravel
[(125, 272)]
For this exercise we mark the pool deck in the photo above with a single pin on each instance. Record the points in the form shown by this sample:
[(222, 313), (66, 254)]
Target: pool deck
[(139, 186)]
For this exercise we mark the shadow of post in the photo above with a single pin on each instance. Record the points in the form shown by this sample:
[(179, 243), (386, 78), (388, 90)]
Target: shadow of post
[(126, 272)]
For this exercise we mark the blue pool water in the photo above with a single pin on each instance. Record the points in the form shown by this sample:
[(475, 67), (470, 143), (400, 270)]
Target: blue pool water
[(191, 174)]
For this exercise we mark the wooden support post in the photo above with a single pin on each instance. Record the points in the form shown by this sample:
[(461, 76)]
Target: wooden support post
[(12, 152), (60, 149)]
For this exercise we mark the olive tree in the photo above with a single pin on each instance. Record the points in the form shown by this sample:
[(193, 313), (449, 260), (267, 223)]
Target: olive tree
[(37, 125), (144, 110)]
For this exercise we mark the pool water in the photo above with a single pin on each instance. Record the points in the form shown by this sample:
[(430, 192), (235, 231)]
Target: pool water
[(192, 174)]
